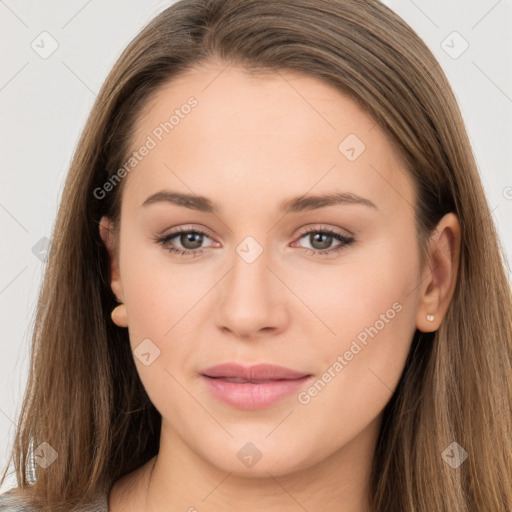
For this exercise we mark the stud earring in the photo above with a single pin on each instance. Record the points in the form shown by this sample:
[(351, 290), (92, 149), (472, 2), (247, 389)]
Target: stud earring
[(430, 318), (119, 316)]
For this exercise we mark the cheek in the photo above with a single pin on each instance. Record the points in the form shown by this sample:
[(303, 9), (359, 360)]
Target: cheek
[(360, 367), (364, 300), (158, 291), (368, 303), (165, 304), (362, 289)]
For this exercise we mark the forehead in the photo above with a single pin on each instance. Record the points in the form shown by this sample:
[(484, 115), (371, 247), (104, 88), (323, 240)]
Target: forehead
[(234, 98), (278, 133)]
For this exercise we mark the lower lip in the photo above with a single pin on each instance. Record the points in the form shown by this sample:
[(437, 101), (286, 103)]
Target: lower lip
[(244, 395)]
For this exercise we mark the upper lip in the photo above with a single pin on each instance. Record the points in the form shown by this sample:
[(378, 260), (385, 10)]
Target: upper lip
[(255, 372)]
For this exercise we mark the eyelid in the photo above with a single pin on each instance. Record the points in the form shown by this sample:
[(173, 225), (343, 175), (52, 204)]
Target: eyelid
[(325, 227), (187, 228), (343, 239), (303, 231)]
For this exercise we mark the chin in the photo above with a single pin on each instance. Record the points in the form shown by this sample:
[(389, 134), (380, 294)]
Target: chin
[(248, 462)]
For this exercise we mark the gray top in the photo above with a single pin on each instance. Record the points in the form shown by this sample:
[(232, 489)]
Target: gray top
[(14, 501)]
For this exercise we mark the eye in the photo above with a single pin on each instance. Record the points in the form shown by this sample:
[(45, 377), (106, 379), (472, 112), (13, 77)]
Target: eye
[(185, 241), (321, 239), (190, 240)]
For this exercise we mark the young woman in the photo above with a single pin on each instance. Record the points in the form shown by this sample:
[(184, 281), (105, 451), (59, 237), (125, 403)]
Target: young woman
[(274, 281)]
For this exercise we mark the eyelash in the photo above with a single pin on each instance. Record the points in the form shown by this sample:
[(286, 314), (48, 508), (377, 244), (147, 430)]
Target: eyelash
[(164, 240)]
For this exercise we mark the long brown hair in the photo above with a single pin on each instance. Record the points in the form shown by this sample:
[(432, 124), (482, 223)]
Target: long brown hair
[(84, 396)]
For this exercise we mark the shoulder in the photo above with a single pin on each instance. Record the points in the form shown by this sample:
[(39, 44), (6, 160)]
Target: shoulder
[(15, 500)]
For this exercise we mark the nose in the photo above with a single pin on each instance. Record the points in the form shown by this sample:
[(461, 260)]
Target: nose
[(251, 300)]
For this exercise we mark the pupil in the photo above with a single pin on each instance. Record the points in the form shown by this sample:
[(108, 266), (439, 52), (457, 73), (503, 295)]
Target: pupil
[(325, 245), (194, 238)]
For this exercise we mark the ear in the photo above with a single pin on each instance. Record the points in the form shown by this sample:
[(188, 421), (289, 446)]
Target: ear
[(106, 234), (440, 275)]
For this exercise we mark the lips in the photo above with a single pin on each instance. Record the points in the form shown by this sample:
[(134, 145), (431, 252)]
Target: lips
[(253, 387), (256, 373)]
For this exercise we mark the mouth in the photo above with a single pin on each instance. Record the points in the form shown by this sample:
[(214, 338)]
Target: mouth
[(258, 372), (253, 387), (245, 381)]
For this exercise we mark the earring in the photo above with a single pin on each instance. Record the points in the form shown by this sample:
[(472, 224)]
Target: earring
[(119, 316), (430, 318)]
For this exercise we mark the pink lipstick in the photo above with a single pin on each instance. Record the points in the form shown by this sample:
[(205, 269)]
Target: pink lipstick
[(253, 387)]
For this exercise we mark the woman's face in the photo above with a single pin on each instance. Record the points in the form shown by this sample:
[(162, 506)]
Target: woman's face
[(327, 288)]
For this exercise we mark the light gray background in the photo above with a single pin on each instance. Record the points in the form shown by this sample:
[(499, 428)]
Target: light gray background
[(44, 104)]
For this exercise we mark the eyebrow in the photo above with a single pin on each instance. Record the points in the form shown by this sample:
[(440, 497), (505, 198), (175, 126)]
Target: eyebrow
[(297, 204)]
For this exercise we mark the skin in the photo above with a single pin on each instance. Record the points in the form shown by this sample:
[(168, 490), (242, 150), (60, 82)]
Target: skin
[(250, 143)]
